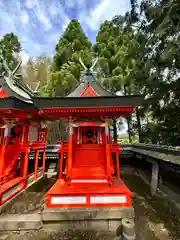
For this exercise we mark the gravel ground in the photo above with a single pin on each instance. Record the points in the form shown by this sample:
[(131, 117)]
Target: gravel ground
[(156, 218)]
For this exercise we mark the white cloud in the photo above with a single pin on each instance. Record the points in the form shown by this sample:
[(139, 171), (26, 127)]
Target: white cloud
[(53, 11), (44, 20), (25, 17), (81, 2), (39, 23), (70, 3), (39, 9), (57, 12), (105, 10), (31, 4)]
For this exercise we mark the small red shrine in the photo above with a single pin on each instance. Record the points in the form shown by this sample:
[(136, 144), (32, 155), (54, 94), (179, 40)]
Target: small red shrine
[(22, 132), (89, 171)]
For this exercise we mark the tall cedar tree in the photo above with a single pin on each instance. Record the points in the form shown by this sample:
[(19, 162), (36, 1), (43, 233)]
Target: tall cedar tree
[(66, 68)]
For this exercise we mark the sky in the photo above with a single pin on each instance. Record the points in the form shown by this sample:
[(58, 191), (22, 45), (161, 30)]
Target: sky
[(39, 24)]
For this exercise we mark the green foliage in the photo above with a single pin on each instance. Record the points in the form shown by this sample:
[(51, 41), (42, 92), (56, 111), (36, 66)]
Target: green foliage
[(119, 51), (37, 72), (66, 67), (138, 53), (160, 28), (9, 48)]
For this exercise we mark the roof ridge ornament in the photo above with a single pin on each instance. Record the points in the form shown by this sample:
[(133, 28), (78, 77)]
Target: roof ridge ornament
[(15, 76), (88, 75), (11, 73), (92, 66), (82, 64)]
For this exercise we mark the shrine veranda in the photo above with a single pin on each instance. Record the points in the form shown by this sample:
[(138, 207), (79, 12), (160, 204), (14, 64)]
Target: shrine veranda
[(89, 172)]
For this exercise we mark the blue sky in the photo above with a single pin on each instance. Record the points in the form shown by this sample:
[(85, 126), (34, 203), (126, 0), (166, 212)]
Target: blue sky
[(40, 23)]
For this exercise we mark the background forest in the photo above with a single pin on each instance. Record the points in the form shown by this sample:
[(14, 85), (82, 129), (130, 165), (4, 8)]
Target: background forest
[(138, 54)]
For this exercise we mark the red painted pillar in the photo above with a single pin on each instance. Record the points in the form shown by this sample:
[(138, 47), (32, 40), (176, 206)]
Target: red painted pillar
[(3, 149), (70, 143), (108, 157), (44, 153), (36, 165), (44, 162), (26, 152), (117, 164)]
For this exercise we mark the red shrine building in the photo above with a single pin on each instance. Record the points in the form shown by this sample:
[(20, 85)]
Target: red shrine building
[(89, 170)]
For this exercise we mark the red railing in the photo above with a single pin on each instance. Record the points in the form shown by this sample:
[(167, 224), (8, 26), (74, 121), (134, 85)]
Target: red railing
[(6, 177)]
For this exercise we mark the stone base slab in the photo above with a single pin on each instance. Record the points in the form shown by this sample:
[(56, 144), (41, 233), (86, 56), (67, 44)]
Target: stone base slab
[(17, 222), (113, 226), (71, 214), (107, 219)]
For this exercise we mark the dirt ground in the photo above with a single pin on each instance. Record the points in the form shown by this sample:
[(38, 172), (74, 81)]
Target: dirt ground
[(156, 217)]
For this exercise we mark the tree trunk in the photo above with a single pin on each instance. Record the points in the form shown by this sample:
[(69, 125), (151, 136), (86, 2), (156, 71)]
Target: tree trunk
[(139, 124), (129, 128), (127, 91)]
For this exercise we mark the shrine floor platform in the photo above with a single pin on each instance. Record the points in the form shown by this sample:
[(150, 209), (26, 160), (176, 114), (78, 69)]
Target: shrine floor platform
[(89, 194)]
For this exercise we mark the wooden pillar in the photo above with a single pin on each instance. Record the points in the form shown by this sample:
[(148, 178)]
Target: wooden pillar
[(108, 157), (44, 162), (26, 152), (70, 143), (36, 165), (3, 149), (154, 177), (78, 135), (117, 164), (26, 162), (44, 153)]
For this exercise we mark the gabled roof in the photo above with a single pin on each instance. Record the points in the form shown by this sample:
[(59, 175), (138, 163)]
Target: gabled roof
[(13, 90), (3, 93), (89, 92), (88, 78)]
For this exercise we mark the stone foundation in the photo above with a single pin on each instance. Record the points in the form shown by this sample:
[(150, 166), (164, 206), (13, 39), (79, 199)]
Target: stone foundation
[(107, 219), (84, 219)]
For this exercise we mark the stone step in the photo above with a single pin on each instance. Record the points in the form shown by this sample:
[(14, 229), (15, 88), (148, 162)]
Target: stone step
[(49, 175), (51, 170), (52, 165)]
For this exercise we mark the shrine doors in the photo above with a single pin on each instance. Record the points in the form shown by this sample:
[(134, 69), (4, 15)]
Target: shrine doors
[(89, 135)]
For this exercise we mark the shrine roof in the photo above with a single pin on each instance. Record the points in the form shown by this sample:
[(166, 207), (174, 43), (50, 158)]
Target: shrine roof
[(15, 103), (12, 85), (95, 85), (75, 102), (89, 77)]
